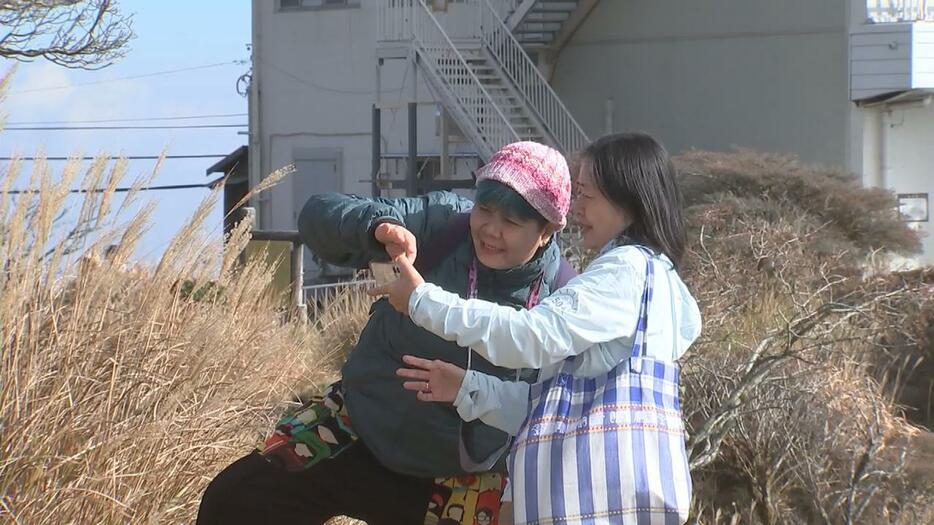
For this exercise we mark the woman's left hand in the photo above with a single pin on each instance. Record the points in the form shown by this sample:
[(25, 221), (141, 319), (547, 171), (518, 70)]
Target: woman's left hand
[(400, 291), (433, 380)]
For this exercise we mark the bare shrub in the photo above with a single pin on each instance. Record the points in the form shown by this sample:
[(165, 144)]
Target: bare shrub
[(787, 395)]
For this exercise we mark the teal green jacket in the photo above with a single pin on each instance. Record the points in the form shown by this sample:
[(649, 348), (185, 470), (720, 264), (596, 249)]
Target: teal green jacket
[(406, 435)]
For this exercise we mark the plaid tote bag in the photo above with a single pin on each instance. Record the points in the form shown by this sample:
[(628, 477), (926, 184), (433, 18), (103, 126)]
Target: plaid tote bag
[(605, 449)]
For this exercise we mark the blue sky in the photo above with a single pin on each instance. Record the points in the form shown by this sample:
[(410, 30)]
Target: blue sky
[(170, 35)]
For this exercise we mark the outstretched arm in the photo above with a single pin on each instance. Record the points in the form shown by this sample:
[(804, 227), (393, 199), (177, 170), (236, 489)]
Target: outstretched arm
[(600, 305), (343, 229)]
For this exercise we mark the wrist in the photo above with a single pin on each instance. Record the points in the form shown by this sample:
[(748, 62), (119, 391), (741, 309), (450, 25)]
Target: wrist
[(381, 221), (463, 389), (377, 247), (419, 291)]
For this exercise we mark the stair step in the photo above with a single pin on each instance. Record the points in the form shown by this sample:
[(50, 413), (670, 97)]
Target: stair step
[(547, 16), (554, 6), (461, 73), (469, 57), (535, 37), (505, 104), (550, 27), (532, 33), (473, 67)]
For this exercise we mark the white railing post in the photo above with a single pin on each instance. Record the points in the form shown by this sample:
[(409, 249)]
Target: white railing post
[(887, 11)]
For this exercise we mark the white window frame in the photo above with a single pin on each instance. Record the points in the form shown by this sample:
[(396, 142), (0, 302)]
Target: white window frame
[(921, 200)]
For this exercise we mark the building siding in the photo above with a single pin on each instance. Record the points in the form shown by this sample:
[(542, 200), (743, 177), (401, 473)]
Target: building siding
[(713, 74), (880, 56)]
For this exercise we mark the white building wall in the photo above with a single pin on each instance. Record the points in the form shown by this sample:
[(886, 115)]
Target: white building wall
[(712, 74), (908, 159), (314, 72), (922, 55)]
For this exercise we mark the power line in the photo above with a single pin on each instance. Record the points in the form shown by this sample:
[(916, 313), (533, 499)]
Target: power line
[(140, 119), (118, 190), (85, 128), (131, 77), (127, 157), (320, 87)]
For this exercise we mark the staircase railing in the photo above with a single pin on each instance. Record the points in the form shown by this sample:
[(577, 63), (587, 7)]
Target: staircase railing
[(394, 20), (883, 11), (506, 7), (528, 80), (487, 124)]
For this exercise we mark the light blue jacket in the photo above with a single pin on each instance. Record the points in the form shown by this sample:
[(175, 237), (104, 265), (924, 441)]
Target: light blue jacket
[(593, 319)]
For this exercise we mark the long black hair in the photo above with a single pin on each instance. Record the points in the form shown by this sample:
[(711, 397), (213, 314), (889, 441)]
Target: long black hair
[(634, 172)]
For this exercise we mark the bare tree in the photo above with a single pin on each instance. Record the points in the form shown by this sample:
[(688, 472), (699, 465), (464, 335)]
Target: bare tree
[(81, 34)]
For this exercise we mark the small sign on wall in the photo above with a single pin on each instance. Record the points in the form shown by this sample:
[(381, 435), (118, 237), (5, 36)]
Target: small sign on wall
[(913, 207)]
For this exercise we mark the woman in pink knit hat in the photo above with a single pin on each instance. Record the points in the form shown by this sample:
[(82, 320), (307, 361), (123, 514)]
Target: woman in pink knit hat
[(369, 449)]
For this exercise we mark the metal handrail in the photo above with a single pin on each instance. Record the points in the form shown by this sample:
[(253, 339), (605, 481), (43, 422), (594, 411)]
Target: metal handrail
[(491, 125), (507, 7), (296, 258), (529, 81), (393, 20), (889, 11)]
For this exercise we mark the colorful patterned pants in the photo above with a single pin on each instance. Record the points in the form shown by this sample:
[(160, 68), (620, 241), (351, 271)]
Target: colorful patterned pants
[(313, 467)]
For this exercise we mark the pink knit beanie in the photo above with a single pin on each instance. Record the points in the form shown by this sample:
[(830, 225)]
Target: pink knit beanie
[(538, 173)]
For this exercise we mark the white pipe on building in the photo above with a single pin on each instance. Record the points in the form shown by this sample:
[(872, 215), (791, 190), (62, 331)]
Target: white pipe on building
[(254, 140), (609, 110), (872, 147)]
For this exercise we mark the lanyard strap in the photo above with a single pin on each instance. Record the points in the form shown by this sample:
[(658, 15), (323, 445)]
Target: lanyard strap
[(468, 463), (534, 291)]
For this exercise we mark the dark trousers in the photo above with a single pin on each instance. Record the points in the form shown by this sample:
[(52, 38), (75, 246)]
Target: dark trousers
[(353, 484)]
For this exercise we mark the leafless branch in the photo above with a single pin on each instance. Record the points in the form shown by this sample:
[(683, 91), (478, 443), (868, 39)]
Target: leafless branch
[(81, 34)]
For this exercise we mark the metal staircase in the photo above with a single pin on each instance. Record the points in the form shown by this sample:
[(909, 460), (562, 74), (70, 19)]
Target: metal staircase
[(536, 23), (481, 72), (502, 93)]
